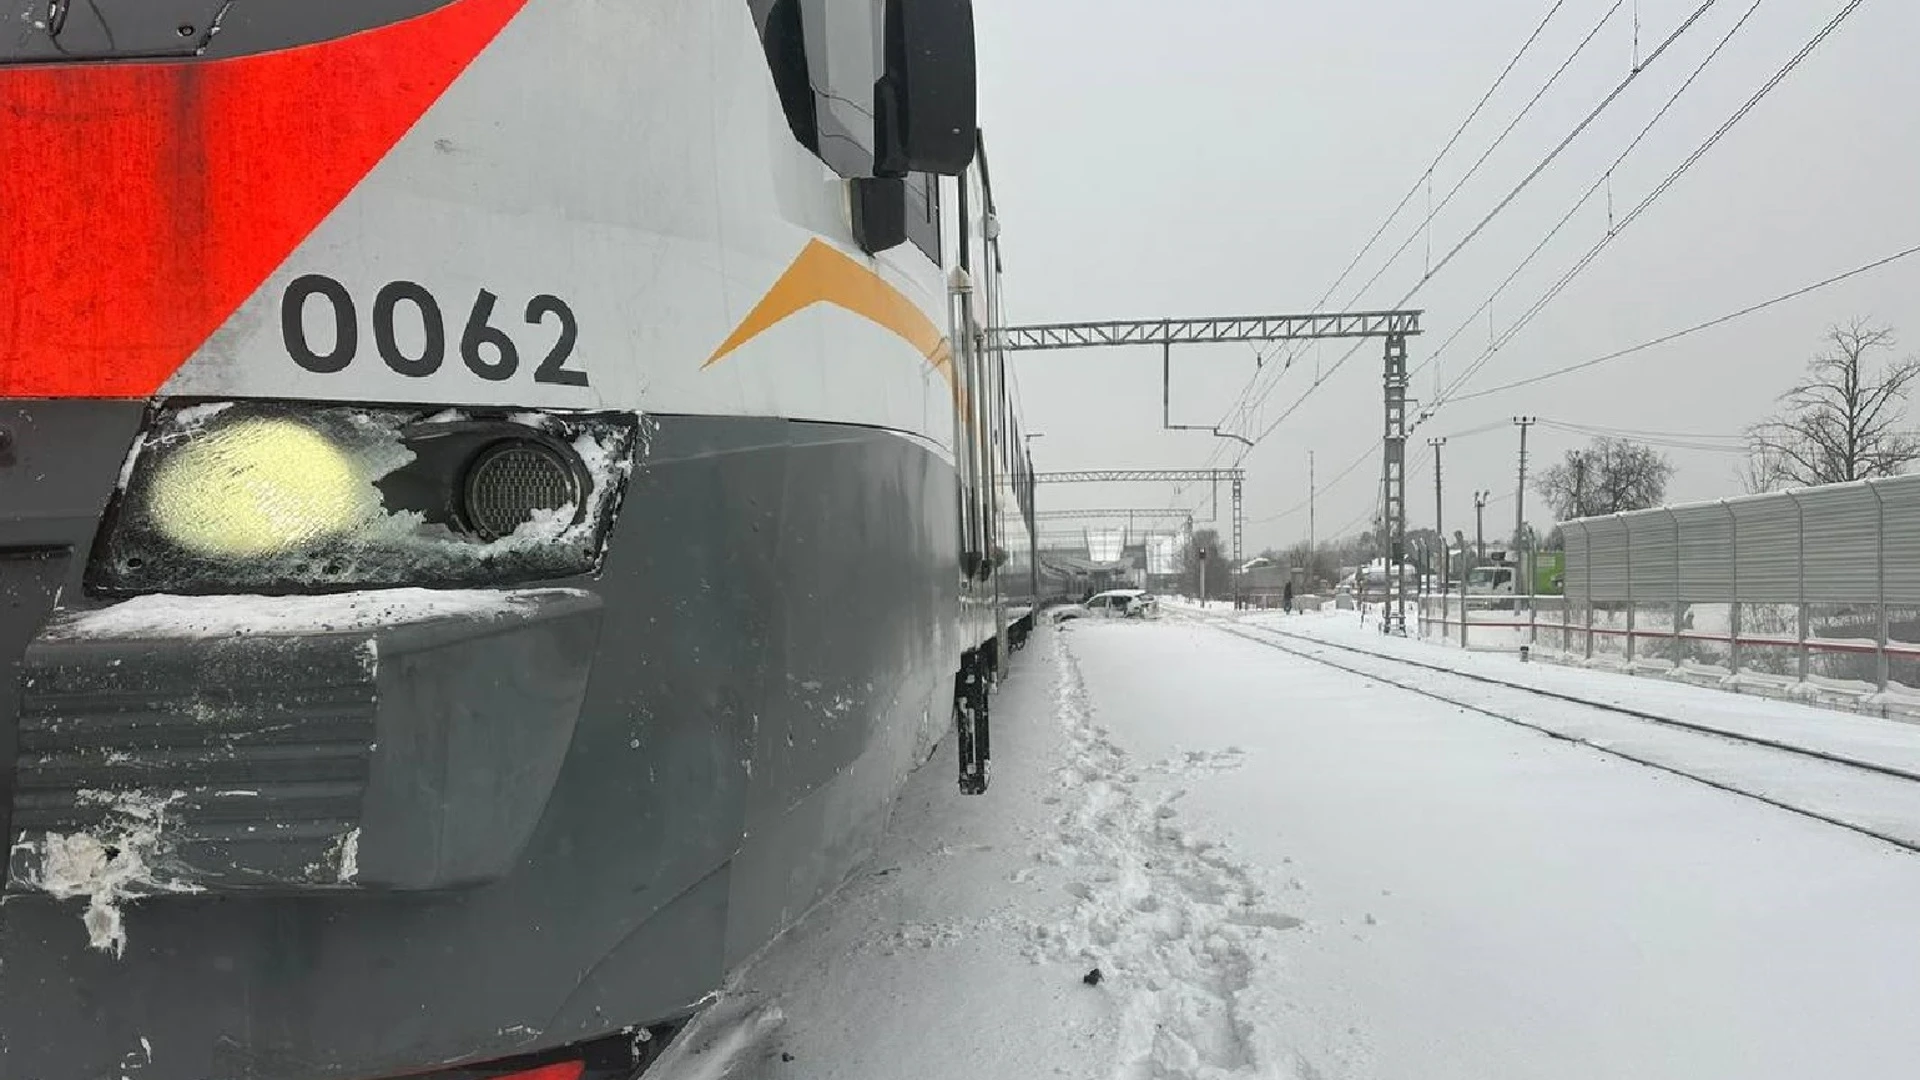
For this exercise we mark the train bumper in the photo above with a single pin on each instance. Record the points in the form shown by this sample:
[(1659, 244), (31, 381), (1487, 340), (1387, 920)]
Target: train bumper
[(287, 839), (394, 740)]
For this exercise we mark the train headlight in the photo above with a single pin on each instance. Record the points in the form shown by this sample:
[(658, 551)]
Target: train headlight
[(301, 497), (256, 487)]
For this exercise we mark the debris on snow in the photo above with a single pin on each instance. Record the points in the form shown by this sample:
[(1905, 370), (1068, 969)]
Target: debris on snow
[(1198, 762)]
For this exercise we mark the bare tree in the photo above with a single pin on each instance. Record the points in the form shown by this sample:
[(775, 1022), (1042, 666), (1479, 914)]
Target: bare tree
[(1842, 422), (1315, 565), (1322, 564), (1609, 476)]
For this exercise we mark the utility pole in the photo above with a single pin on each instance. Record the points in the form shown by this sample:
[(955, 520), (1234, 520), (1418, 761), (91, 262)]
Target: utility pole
[(1520, 496), (1310, 509), (1579, 483), (1438, 528), (1479, 527), (1393, 500)]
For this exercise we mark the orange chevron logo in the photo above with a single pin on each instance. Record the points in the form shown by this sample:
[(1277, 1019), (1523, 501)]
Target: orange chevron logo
[(822, 274)]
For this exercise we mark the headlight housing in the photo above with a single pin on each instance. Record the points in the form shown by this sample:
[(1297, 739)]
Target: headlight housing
[(297, 497)]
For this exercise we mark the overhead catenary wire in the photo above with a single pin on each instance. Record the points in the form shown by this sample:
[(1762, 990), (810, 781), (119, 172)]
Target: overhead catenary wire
[(1244, 407), (1635, 433), (1567, 140), (1320, 488), (1474, 169), (1524, 112), (1424, 180), (1425, 459), (1676, 335), (1358, 519), (1711, 444), (1612, 96), (1604, 180), (1653, 196), (1452, 391), (1426, 175)]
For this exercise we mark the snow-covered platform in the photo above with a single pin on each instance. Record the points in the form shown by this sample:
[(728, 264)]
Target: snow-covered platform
[(1283, 869)]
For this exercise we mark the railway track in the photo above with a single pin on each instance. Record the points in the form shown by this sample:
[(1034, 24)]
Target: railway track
[(1871, 798)]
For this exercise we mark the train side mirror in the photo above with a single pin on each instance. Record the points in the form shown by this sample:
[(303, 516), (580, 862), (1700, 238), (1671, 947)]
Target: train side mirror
[(925, 103)]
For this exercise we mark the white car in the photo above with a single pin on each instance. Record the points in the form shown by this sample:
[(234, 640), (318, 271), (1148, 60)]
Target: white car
[(1490, 581), (1113, 604)]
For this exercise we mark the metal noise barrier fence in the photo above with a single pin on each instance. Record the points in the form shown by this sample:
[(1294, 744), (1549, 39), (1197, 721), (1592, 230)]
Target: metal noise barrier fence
[(1813, 594), (1814, 585)]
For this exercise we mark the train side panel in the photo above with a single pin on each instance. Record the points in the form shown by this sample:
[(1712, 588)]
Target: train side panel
[(344, 829)]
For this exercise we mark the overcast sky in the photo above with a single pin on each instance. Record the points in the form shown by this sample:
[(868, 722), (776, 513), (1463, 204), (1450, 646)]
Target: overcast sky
[(1218, 157)]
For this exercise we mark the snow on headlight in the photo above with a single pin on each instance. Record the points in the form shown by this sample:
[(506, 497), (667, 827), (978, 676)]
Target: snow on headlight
[(291, 497), (256, 487)]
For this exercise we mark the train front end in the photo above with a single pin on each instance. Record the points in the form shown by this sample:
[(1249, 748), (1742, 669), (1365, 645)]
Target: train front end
[(479, 539)]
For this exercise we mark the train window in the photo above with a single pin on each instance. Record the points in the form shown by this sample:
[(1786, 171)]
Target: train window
[(826, 57), (844, 54), (783, 36)]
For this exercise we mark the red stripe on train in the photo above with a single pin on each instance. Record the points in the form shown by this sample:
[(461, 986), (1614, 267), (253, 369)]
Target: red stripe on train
[(141, 204)]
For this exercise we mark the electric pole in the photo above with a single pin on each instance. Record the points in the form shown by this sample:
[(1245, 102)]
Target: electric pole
[(1310, 495), (1393, 496), (1520, 496), (1480, 527), (1438, 528)]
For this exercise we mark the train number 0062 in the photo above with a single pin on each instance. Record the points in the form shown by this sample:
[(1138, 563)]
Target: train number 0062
[(487, 350)]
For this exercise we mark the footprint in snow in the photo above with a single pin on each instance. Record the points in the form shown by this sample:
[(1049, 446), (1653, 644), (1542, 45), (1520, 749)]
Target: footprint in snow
[(1197, 762), (1177, 925)]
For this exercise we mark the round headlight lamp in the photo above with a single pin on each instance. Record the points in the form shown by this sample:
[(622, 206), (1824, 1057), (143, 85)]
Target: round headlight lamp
[(513, 482), (257, 487)]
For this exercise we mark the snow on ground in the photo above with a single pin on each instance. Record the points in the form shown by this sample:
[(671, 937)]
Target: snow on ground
[(1286, 871), (1886, 806), (1893, 743), (964, 949)]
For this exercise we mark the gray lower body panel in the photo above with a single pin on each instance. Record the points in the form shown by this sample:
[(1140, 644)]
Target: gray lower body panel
[(778, 636)]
